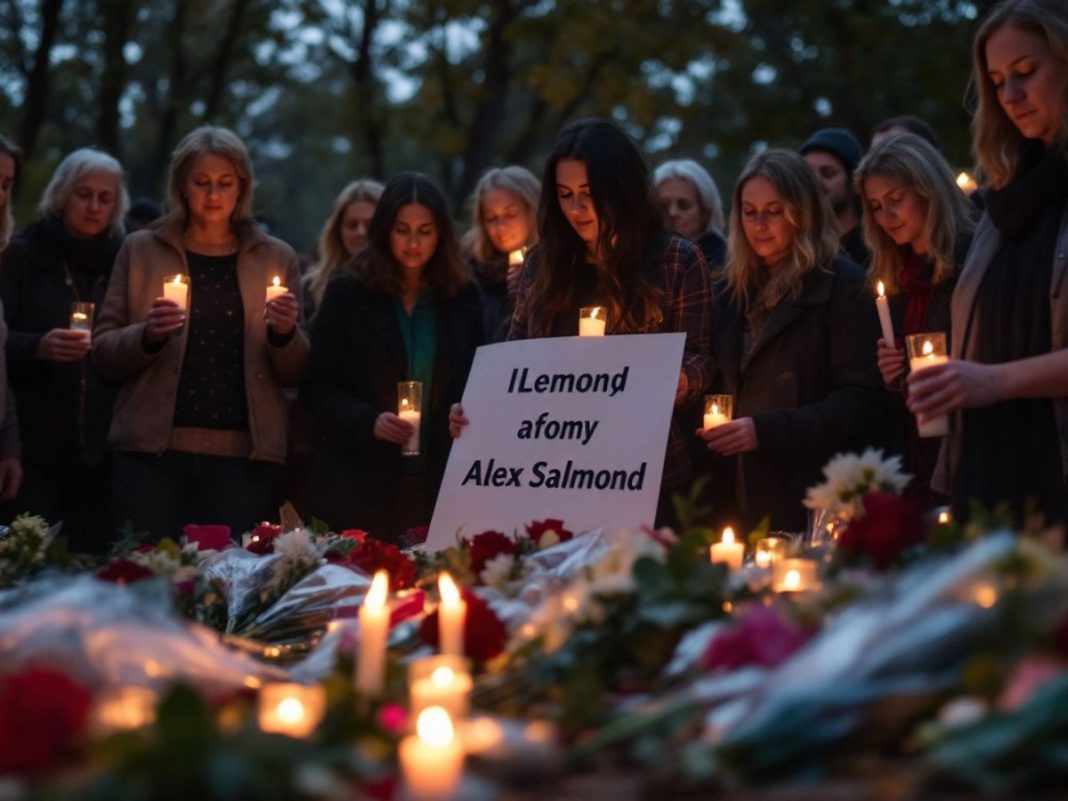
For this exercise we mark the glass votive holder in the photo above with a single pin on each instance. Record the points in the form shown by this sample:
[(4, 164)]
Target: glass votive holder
[(925, 351), (291, 709), (795, 574), (768, 551), (176, 289), (441, 680), (593, 321), (81, 317), (124, 709), (410, 410), (719, 409)]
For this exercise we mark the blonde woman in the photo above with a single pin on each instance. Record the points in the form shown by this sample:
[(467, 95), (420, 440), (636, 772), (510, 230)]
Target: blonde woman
[(918, 225), (343, 237), (791, 336), (1007, 385), (63, 257), (504, 222), (200, 421)]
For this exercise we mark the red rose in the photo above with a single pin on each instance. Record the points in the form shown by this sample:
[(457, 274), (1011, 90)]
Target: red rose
[(261, 539), (209, 537), (539, 527), (484, 634), (489, 545), (763, 637), (123, 571), (42, 715), (373, 555), (355, 534), (890, 525)]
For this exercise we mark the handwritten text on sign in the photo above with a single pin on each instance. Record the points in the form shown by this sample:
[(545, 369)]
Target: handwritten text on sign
[(572, 428)]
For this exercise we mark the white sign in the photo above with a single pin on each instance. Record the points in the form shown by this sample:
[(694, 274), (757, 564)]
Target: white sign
[(573, 428)]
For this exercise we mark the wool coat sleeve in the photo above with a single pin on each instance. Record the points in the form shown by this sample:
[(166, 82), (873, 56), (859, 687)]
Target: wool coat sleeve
[(21, 345)]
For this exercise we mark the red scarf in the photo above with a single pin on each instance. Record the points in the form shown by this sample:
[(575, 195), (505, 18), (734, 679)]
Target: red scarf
[(915, 284)]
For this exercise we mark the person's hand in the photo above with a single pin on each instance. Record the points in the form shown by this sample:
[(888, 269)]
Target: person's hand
[(281, 313), (737, 436), (891, 362), (457, 421), (390, 428), (164, 318), (62, 345), (956, 384), (10, 478)]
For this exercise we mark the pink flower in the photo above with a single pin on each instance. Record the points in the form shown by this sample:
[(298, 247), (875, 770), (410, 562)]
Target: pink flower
[(763, 637), (208, 537), (393, 718), (1031, 675)]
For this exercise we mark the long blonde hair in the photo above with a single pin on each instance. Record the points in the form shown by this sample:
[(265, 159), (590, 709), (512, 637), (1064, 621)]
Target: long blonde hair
[(332, 254), (996, 141), (915, 164), (219, 142), (805, 209)]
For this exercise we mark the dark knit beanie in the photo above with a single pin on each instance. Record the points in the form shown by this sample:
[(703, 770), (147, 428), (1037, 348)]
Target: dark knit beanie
[(840, 143)]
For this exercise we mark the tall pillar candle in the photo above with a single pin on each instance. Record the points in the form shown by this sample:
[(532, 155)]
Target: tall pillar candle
[(374, 629), (451, 613), (882, 304), (410, 410)]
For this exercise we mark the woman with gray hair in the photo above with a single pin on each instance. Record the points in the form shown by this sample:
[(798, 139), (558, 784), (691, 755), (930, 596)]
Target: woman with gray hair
[(200, 421), (64, 258), (693, 206)]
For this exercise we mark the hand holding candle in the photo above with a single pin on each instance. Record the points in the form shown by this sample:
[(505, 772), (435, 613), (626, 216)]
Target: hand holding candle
[(452, 610), (374, 630)]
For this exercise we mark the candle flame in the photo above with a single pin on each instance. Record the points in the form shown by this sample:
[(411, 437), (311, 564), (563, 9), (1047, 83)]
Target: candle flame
[(944, 518), (728, 536), (715, 408), (291, 710), (442, 676), (277, 281), (595, 313), (450, 594), (434, 727), (928, 348), (881, 289), (404, 402), (178, 280), (792, 580), (986, 596), (376, 596)]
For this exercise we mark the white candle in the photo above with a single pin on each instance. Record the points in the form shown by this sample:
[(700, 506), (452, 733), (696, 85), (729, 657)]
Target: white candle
[(176, 289), (451, 613), (728, 551), (715, 417), (934, 426), (291, 709), (515, 258), (275, 289), (592, 321), (768, 551), (794, 575), (432, 759), (411, 416), (882, 303), (439, 681), (374, 628), (124, 708)]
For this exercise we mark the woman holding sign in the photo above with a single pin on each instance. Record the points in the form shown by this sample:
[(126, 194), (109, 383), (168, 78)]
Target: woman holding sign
[(603, 244), (792, 334), (410, 312), (1007, 387)]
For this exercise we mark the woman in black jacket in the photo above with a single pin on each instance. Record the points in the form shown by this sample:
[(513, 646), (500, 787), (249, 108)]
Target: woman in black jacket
[(65, 407), (792, 327), (410, 313)]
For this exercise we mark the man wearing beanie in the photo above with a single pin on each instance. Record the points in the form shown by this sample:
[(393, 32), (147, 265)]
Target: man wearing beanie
[(833, 154)]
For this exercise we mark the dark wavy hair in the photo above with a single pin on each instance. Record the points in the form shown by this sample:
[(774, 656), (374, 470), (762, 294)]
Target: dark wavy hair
[(630, 229), (446, 272)]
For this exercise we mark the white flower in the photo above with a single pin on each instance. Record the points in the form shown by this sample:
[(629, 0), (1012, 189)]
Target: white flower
[(498, 570), (297, 546), (850, 475)]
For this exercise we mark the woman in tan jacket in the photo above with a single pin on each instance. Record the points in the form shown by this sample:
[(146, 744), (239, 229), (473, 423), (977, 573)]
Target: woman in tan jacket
[(199, 425)]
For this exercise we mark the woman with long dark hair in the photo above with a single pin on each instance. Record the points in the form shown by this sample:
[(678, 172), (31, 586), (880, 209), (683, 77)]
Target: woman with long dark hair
[(410, 312)]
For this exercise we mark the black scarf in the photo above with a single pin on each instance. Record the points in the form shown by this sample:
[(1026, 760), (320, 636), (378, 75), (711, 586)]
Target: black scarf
[(1041, 180)]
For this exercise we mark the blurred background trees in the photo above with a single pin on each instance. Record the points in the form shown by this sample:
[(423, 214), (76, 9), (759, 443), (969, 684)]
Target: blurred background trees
[(324, 91)]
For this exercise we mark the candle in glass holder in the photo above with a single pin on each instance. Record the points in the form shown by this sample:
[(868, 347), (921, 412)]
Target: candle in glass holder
[(718, 410), (967, 183), (176, 289), (431, 760), (452, 609), (275, 289), (925, 351), (410, 410), (124, 708), (727, 550), (769, 550), (794, 575), (443, 680), (593, 320), (374, 629), (291, 709), (515, 258), (882, 304), (81, 317)]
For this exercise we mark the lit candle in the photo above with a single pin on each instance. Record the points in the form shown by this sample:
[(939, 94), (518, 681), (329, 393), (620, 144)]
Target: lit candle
[(176, 289), (768, 551), (482, 734), (124, 708), (451, 613), (882, 303), (728, 551), (515, 258), (291, 709), (966, 182), (794, 575), (719, 409), (275, 289), (432, 759), (442, 681), (925, 351), (410, 409), (81, 318), (592, 321), (374, 628), (944, 518), (715, 417)]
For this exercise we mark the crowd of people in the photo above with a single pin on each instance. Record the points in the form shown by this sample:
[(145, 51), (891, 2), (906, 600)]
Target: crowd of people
[(188, 370)]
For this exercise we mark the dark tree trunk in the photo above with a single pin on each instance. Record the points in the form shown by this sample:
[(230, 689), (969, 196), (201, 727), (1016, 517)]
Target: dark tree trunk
[(37, 78), (223, 58), (177, 93), (117, 16), (372, 131)]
